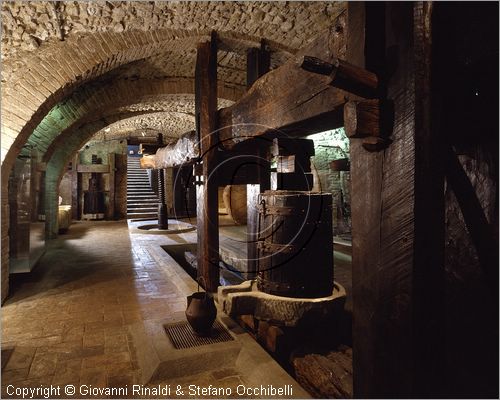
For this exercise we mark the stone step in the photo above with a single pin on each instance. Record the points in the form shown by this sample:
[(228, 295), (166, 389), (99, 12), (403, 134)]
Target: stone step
[(141, 210), (142, 206), (133, 209), (150, 200), (143, 215), (142, 196), (137, 199), (143, 201), (137, 186), (141, 191)]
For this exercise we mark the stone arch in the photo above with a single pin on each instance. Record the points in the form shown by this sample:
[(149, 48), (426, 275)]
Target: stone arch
[(58, 156), (98, 98), (46, 79), (82, 45)]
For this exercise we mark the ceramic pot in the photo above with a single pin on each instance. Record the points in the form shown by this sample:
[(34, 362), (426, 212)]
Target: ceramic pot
[(201, 312)]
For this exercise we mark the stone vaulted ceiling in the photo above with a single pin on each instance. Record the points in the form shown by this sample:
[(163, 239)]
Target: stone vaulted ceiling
[(80, 68)]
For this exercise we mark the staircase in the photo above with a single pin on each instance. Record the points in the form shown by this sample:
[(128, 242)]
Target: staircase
[(142, 202)]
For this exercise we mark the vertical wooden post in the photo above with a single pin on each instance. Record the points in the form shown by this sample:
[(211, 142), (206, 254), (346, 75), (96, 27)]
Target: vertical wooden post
[(207, 199), (428, 316), (258, 63), (112, 189), (397, 214)]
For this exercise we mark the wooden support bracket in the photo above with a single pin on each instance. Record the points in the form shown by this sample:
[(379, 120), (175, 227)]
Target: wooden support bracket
[(344, 76), (370, 120)]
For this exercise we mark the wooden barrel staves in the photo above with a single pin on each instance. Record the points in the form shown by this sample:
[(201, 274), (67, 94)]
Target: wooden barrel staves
[(235, 200), (295, 244)]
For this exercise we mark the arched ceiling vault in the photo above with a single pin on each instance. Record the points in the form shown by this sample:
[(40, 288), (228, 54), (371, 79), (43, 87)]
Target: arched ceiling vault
[(50, 49), (92, 101)]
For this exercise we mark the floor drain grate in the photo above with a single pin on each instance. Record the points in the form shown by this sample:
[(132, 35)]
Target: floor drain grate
[(183, 337)]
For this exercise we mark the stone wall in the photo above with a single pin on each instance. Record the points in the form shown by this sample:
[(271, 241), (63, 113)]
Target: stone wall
[(27, 26), (328, 146), (102, 150), (49, 49), (65, 189)]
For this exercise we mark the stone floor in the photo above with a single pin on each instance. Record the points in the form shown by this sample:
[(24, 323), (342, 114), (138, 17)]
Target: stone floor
[(67, 322)]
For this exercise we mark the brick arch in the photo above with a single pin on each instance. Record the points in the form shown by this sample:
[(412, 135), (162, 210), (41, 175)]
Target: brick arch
[(150, 92), (171, 124), (56, 166), (59, 160), (92, 100), (63, 148), (53, 73)]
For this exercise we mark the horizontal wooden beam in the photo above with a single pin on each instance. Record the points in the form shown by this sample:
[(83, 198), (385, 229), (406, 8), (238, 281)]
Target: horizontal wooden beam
[(344, 75), (239, 169), (148, 162), (184, 151), (289, 99)]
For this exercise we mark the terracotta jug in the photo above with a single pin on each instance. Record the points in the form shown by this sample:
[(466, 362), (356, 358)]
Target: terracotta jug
[(201, 312)]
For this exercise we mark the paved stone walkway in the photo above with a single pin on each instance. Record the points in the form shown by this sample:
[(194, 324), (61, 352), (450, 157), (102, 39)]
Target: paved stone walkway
[(67, 322)]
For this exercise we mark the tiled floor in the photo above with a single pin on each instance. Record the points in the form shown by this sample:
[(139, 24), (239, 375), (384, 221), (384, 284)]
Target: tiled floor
[(68, 321)]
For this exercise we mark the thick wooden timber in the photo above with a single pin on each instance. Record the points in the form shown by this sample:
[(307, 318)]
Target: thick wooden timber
[(344, 75), (186, 150), (207, 192), (362, 118), (290, 99)]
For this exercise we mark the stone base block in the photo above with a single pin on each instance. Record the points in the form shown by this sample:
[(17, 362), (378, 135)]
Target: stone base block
[(159, 360), (246, 299)]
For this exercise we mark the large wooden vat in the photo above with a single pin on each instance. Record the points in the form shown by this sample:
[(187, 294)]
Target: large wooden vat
[(295, 244), (235, 200)]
